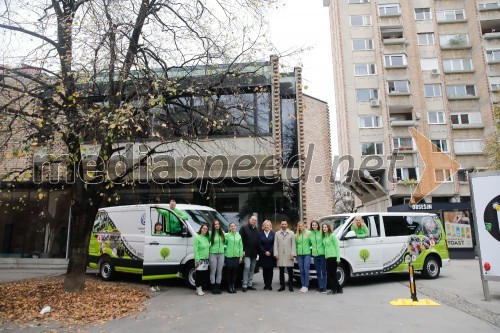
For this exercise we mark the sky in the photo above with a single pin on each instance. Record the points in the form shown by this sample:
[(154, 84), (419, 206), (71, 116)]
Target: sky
[(305, 24)]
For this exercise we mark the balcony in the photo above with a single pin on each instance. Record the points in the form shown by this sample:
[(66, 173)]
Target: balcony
[(403, 123), (399, 103), (456, 45), (491, 34)]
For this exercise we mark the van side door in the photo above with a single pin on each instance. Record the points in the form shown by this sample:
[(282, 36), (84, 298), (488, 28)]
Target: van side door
[(165, 247), (397, 230), (364, 254)]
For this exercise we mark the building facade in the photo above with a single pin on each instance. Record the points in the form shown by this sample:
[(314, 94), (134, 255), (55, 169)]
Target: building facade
[(430, 65), (277, 165)]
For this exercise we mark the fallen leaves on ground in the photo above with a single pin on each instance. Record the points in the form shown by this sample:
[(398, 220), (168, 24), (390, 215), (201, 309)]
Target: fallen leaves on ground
[(21, 302)]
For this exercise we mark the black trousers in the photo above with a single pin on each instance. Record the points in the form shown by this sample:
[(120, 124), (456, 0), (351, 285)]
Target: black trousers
[(232, 274), (290, 276), (201, 278), (331, 274), (267, 274)]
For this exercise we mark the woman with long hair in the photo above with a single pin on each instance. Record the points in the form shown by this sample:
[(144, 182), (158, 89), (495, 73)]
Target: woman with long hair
[(201, 249), (234, 256), (303, 255), (216, 256), (318, 254), (332, 255), (266, 256)]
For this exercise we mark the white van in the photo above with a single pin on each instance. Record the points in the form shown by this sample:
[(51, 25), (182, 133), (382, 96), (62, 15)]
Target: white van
[(394, 239), (123, 240)]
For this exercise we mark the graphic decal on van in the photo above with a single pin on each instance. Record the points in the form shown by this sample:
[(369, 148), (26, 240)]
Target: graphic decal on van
[(109, 239), (431, 230), (364, 254), (164, 253)]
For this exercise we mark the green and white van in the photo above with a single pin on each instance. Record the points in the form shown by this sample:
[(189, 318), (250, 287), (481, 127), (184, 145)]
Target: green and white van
[(394, 240), (123, 240)]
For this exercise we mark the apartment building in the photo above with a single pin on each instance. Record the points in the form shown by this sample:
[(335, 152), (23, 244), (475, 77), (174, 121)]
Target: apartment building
[(429, 64)]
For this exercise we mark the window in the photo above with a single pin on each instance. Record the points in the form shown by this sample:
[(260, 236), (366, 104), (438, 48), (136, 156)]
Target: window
[(436, 117), (364, 69), (366, 95), (450, 15), (361, 20), (395, 60), (406, 174), (358, 1), (463, 175), (432, 90), (389, 9), (468, 146), (422, 14), (372, 148), (362, 44), (399, 86), (454, 40), (440, 146), (429, 64), (495, 86), (369, 122), (461, 90), (490, 5), (401, 225), (464, 118), (493, 55), (457, 64), (426, 38), (402, 143), (442, 175)]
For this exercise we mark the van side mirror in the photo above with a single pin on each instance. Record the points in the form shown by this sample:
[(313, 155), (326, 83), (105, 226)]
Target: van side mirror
[(185, 232), (350, 235)]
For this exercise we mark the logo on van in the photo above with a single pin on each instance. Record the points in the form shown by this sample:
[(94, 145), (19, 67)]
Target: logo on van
[(364, 254), (143, 219), (165, 252)]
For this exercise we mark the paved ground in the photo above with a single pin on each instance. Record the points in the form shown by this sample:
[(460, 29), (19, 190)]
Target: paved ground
[(363, 307)]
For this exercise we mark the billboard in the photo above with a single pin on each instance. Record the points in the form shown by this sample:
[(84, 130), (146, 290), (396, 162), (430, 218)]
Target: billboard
[(458, 228)]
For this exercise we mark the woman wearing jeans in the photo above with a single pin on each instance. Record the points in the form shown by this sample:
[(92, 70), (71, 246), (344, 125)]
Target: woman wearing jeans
[(318, 253), (216, 256), (303, 255)]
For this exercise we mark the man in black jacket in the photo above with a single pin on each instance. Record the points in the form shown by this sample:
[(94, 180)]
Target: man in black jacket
[(250, 237)]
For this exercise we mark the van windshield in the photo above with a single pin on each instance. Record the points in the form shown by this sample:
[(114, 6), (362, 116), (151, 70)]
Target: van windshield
[(198, 217), (334, 221)]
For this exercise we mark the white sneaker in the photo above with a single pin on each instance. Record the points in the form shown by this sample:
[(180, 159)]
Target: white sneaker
[(305, 289), (199, 291), (158, 288), (302, 289), (153, 289)]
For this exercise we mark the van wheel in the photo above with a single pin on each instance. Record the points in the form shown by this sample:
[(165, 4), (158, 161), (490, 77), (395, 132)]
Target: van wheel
[(342, 273), (189, 273), (106, 270), (431, 268)]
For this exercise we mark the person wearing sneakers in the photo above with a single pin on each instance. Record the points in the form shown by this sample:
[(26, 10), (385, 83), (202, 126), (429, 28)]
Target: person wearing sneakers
[(216, 256), (332, 255), (234, 256), (318, 254), (201, 249), (303, 255), (285, 252)]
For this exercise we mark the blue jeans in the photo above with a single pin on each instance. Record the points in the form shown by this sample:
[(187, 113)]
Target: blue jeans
[(320, 266), (304, 267), (248, 271)]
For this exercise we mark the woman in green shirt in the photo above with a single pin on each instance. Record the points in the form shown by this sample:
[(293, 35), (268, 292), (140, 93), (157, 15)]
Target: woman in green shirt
[(359, 227), (201, 254), (332, 255), (318, 254), (216, 256), (303, 255), (234, 256)]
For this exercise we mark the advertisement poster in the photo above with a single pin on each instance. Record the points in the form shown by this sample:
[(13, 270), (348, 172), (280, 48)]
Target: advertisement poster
[(485, 188), (458, 229)]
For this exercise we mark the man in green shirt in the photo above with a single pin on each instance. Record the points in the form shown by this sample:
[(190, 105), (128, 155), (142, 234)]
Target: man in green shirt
[(360, 228), (172, 224)]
